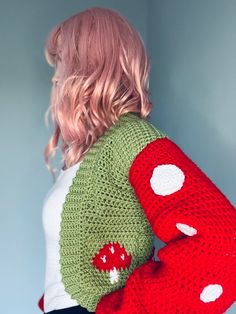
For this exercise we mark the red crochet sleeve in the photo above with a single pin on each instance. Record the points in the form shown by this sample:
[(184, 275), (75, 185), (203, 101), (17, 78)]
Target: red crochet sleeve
[(197, 268)]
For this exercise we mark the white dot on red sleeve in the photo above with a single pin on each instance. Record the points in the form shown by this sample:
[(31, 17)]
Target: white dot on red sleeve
[(186, 229), (211, 293), (167, 179)]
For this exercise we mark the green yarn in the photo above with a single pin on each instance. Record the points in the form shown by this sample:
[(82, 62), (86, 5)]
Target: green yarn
[(101, 207)]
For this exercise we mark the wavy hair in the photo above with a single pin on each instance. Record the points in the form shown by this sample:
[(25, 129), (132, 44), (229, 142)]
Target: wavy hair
[(104, 74)]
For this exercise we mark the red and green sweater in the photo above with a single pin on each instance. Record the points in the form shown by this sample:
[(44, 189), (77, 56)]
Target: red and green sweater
[(136, 183)]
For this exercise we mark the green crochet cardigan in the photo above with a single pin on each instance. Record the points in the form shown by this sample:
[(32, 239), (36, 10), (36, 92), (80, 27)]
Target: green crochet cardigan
[(101, 212)]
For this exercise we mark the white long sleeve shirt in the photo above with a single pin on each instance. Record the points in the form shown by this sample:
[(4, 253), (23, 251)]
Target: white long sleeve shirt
[(55, 296)]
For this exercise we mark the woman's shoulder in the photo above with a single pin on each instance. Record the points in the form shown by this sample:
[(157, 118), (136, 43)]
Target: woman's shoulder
[(134, 132), (131, 135)]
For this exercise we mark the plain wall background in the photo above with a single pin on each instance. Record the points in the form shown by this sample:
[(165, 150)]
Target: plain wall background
[(192, 45), (192, 48)]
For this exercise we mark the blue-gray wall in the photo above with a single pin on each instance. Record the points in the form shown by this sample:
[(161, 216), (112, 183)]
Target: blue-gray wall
[(192, 48), (192, 45), (193, 81), (25, 83)]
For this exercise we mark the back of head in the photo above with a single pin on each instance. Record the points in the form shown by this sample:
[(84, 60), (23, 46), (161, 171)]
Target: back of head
[(104, 72)]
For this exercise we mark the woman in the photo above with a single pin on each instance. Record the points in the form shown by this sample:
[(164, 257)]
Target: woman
[(123, 182)]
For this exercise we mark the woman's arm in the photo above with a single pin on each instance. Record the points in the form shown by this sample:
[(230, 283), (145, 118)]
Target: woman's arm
[(197, 268)]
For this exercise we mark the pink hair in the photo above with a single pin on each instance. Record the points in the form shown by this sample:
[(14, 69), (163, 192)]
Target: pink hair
[(104, 74)]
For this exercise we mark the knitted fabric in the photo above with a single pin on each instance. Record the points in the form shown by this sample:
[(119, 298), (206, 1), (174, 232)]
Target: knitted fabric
[(102, 216), (135, 183), (197, 268)]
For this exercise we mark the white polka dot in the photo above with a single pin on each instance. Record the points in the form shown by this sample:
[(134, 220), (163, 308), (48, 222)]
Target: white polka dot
[(167, 179), (211, 293), (186, 229)]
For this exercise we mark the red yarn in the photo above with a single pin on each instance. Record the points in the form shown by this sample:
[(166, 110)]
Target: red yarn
[(196, 273), (41, 303)]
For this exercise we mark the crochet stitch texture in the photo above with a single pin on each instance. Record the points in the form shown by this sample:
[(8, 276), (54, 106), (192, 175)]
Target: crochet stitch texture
[(134, 183), (196, 273), (101, 208)]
